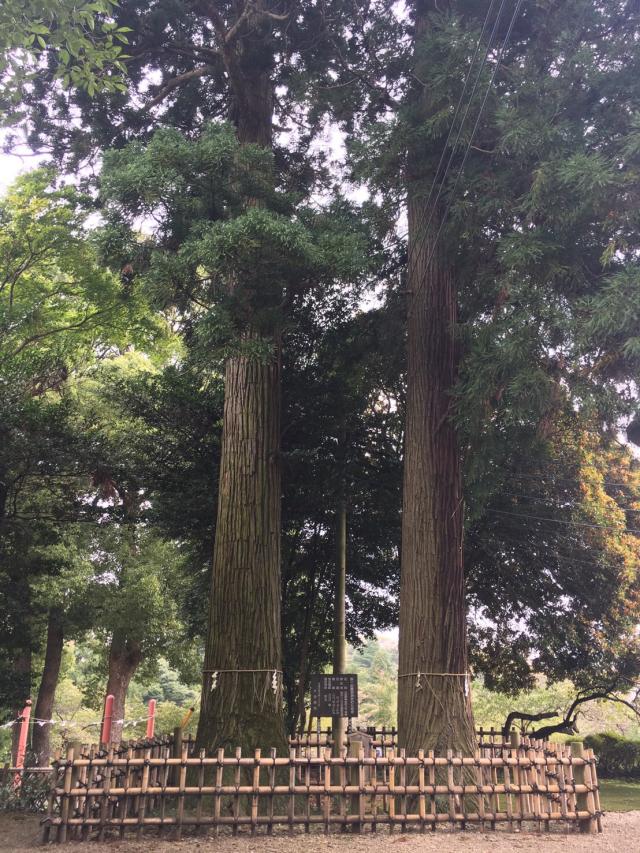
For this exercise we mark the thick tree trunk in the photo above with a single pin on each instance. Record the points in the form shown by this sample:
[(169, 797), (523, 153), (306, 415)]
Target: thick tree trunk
[(242, 685), (48, 684), (434, 711), (241, 702), (124, 659)]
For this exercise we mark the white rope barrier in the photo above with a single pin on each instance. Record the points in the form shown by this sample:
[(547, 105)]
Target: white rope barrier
[(72, 724)]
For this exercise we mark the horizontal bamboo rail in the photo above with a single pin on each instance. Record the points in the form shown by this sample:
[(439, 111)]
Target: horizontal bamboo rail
[(145, 787), (382, 740)]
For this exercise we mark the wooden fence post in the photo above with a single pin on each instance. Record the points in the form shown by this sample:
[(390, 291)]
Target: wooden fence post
[(176, 752), (151, 718), (587, 825), (356, 750), (22, 741), (65, 805), (182, 782), (105, 736)]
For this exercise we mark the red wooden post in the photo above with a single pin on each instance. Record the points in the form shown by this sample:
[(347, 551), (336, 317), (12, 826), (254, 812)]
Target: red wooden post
[(151, 719), (22, 740), (105, 737)]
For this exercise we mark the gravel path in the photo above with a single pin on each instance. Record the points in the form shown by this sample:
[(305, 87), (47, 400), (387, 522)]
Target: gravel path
[(621, 835)]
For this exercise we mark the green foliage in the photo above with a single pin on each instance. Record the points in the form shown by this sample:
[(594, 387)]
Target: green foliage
[(168, 686), (376, 665), (229, 246), (78, 43), (61, 314), (134, 573), (57, 304), (342, 441)]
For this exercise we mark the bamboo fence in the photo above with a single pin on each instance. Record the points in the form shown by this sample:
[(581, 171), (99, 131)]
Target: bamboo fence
[(383, 739), (144, 786)]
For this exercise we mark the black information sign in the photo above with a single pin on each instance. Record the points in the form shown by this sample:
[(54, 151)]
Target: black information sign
[(334, 695)]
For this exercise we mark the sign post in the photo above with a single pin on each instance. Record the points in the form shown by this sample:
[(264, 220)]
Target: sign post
[(334, 696)]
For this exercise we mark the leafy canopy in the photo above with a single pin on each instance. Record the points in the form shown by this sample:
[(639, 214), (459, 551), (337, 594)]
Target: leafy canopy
[(226, 243), (78, 38)]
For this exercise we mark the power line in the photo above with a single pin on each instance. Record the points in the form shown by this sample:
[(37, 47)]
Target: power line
[(422, 232), (468, 148), (565, 479), (531, 535), (544, 499), (633, 530), (551, 552)]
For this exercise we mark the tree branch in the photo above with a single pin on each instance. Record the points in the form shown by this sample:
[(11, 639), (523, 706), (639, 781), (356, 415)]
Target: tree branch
[(521, 715), (232, 33), (569, 720), (178, 81), (59, 329)]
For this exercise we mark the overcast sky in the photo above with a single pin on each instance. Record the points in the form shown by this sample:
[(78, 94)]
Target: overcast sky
[(11, 166)]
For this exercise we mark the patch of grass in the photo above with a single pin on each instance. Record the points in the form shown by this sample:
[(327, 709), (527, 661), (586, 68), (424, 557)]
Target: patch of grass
[(619, 795)]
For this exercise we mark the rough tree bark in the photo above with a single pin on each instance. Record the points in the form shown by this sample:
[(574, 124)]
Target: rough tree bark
[(47, 690), (124, 658), (434, 712), (242, 704)]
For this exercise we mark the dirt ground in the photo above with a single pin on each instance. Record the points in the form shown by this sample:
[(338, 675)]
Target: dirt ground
[(621, 835)]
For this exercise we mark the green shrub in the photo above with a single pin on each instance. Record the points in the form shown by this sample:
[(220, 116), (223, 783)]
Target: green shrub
[(617, 756)]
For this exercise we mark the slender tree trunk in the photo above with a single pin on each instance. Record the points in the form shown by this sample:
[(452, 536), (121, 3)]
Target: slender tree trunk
[(241, 702), (434, 711), (306, 640), (124, 659), (339, 617), (48, 684)]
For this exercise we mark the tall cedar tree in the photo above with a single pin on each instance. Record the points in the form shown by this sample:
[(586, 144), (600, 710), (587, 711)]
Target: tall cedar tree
[(215, 60), (340, 379), (238, 261), (433, 636), (522, 323), (244, 617)]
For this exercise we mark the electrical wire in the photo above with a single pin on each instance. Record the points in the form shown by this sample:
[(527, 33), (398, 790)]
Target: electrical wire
[(547, 552), (468, 149), (544, 499), (423, 231), (532, 536), (632, 530), (555, 479)]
